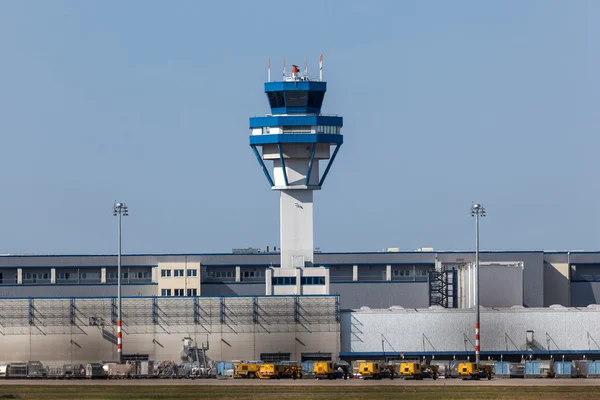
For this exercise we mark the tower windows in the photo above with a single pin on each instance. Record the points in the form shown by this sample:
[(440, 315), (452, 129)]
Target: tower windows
[(296, 98), (315, 99), (276, 99)]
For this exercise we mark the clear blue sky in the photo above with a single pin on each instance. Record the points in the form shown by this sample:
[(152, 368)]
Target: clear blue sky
[(443, 102)]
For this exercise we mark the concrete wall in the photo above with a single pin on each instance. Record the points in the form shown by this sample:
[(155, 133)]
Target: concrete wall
[(229, 326), (448, 331), (296, 233), (382, 295)]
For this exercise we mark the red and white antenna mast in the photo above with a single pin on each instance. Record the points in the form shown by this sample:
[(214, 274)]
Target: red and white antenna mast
[(321, 68), (269, 71), (306, 67)]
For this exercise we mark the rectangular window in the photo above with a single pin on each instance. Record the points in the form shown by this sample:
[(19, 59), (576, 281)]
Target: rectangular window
[(246, 274), (283, 280), (179, 292), (179, 273), (192, 292), (313, 280), (192, 272), (165, 292), (296, 98), (165, 273)]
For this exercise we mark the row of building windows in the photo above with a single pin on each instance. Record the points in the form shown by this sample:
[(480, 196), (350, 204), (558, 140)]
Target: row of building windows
[(330, 129), (283, 280), (178, 273), (231, 274), (291, 280), (179, 292), (313, 280), (39, 276), (130, 275), (296, 98), (409, 272)]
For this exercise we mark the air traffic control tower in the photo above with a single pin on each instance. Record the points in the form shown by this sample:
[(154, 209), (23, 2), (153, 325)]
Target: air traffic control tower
[(295, 137)]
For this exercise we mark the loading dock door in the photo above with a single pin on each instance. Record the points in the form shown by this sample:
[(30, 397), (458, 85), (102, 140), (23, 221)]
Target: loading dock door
[(316, 357)]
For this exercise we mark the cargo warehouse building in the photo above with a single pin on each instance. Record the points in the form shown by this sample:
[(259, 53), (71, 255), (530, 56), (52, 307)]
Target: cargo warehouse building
[(62, 308), (375, 280)]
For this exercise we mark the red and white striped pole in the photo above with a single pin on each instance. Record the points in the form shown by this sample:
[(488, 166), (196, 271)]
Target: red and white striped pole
[(284, 68), (269, 71), (321, 68), (477, 342), (119, 341)]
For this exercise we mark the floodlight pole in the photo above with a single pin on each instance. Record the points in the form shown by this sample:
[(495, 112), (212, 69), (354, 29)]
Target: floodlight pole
[(477, 210), (119, 209)]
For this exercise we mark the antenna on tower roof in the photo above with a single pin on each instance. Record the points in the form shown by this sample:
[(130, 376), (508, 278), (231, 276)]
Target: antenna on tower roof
[(306, 67), (269, 71), (284, 68), (321, 68)]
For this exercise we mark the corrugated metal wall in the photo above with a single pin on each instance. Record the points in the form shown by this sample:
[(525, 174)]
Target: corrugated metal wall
[(445, 330)]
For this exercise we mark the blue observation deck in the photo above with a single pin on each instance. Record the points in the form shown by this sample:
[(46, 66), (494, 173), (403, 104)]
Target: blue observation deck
[(295, 97), (296, 119)]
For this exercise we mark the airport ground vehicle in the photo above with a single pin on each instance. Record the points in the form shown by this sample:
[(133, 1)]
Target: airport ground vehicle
[(370, 370), (418, 370), (279, 371), (411, 370), (472, 370), (247, 370), (324, 370)]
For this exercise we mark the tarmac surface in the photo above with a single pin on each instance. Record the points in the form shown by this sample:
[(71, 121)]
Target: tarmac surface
[(299, 382)]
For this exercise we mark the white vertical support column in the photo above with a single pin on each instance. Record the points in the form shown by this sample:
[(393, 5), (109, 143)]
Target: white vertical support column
[(238, 273), (327, 287), (199, 279), (388, 272), (355, 273), (20, 276), (269, 281), (52, 275), (102, 275), (298, 281), (469, 302), (155, 275)]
